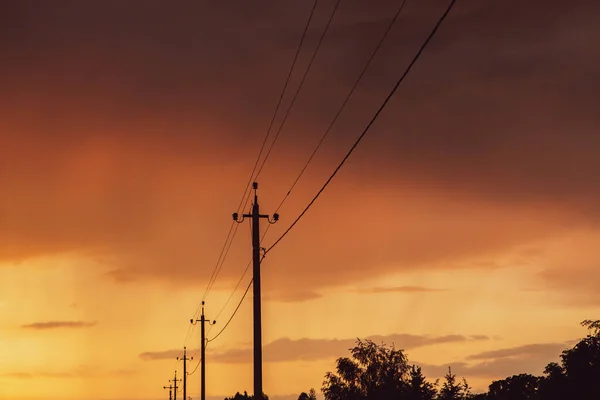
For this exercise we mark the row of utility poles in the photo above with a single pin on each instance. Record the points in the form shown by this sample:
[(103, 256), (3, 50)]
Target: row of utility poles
[(255, 216)]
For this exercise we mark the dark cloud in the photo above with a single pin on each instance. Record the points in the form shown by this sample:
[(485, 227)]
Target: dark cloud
[(135, 124), (59, 325)]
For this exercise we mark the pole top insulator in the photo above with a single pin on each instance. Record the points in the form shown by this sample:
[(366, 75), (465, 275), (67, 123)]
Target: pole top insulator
[(254, 185)]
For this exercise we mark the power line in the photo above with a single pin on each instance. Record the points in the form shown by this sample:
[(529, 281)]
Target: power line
[(362, 135), (287, 113), (220, 266), (234, 312), (247, 191), (287, 81), (234, 290), (197, 365), (238, 282), (212, 276), (343, 105)]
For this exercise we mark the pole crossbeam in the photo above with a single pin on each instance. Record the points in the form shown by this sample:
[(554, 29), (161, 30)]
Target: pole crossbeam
[(202, 321), (256, 289), (185, 359)]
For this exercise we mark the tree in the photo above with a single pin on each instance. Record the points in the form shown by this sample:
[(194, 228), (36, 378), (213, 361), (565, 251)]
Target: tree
[(451, 390), (581, 364), (418, 387), (310, 396), (372, 372), (516, 387), (244, 396)]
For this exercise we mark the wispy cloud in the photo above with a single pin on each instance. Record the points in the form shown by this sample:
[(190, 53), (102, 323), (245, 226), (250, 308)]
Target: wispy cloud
[(305, 349), (59, 324), (400, 289), (82, 371), (498, 364), (163, 355), (528, 350)]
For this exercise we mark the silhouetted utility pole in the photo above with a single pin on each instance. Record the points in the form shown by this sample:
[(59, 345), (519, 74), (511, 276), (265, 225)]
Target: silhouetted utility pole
[(170, 387), (185, 360), (256, 216), (175, 386), (202, 320)]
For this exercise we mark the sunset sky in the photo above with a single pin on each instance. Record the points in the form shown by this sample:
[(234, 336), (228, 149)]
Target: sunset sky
[(465, 228)]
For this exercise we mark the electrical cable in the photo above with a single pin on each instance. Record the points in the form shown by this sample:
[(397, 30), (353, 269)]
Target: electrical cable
[(343, 105), (244, 199), (238, 305), (287, 81), (308, 67), (234, 312), (362, 135)]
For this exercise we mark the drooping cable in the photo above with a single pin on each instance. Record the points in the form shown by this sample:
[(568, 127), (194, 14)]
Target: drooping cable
[(371, 122), (291, 105), (343, 105)]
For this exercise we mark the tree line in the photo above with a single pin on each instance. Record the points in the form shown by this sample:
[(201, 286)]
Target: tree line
[(379, 372)]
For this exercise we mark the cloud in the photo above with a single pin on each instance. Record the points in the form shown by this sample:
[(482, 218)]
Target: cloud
[(500, 363), (291, 295), (163, 355), (59, 325), (118, 156), (399, 289), (284, 349), (82, 371), (529, 350)]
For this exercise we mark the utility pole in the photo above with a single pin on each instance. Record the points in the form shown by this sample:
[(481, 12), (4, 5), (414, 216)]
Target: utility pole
[(175, 386), (170, 387), (185, 360), (256, 216), (202, 320)]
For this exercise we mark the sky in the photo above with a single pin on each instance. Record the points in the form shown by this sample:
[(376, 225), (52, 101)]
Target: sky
[(463, 229)]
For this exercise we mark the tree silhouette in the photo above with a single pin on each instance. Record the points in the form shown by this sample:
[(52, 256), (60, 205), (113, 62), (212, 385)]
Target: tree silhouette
[(311, 395), (244, 396), (451, 390), (372, 372), (418, 387), (516, 387)]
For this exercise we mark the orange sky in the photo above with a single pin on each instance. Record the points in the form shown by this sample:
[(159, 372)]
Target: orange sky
[(464, 228)]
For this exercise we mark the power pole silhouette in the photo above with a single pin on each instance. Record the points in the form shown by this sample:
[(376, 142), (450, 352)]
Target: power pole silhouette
[(175, 380), (185, 360), (256, 216), (170, 387), (202, 320)]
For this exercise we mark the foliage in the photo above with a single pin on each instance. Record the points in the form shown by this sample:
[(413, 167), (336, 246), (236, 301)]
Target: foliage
[(451, 390), (418, 387), (516, 387), (379, 372), (372, 372), (245, 396), (311, 395)]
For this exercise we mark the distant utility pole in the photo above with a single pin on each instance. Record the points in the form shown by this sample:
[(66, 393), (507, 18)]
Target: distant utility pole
[(175, 386), (170, 387), (185, 360), (202, 320), (256, 216)]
